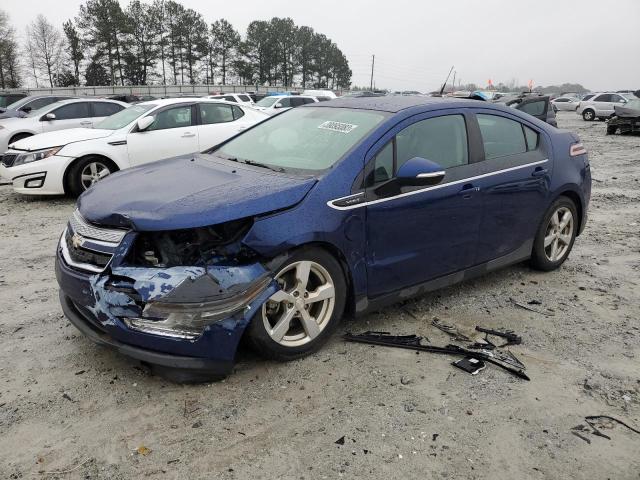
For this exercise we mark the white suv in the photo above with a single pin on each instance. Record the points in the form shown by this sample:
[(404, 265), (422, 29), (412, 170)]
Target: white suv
[(241, 98), (279, 103), (601, 105)]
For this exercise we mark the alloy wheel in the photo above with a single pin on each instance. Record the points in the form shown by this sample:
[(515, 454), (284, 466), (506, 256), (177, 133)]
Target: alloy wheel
[(559, 234), (92, 173), (299, 312)]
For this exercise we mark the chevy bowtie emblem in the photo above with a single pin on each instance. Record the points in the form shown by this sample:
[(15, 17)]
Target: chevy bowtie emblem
[(77, 240)]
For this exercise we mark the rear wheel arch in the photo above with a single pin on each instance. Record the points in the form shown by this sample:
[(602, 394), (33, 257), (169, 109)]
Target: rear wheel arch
[(66, 178), (577, 201)]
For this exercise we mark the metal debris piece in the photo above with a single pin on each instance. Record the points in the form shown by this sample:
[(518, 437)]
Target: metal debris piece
[(450, 330)]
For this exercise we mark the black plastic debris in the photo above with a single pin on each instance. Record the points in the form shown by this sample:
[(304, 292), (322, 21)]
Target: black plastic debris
[(470, 365), (340, 441)]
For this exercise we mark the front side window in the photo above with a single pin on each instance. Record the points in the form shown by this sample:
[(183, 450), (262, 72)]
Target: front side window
[(176, 117), (211, 113), (285, 103), (309, 140), (501, 136), (266, 102), (104, 109), (72, 111), (229, 98), (441, 139), (617, 98), (124, 117), (39, 103)]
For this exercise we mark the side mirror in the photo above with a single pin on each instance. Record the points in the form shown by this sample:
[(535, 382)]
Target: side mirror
[(278, 105), (418, 172), (50, 116), (145, 122)]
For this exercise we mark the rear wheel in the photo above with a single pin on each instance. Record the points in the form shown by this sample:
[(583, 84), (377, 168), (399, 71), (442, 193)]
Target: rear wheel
[(556, 235), (296, 320), (588, 115), (86, 172)]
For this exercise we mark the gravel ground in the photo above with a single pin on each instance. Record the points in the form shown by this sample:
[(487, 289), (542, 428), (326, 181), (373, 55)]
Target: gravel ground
[(350, 411)]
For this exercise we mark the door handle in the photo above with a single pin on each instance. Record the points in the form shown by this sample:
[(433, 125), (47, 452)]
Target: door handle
[(188, 135), (539, 172), (86, 122), (241, 128), (468, 190)]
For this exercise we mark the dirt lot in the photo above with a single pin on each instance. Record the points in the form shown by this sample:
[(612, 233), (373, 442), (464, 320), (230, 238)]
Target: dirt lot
[(67, 405)]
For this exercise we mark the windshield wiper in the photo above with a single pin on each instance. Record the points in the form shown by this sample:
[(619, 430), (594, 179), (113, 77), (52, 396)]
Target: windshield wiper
[(262, 165)]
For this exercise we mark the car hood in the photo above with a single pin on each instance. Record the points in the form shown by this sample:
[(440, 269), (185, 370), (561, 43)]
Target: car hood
[(59, 138), (189, 192)]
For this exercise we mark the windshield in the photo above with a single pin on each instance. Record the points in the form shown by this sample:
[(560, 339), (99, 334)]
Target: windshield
[(267, 101), (18, 104), (309, 139), (124, 117)]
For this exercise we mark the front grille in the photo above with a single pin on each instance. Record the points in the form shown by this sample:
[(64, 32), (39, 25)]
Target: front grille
[(83, 255), (80, 226), (87, 247), (8, 159)]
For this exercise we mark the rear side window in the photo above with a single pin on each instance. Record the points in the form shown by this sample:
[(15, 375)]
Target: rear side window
[(72, 111), (534, 108), (605, 97), (244, 98), (440, 139), (309, 100), (103, 109), (237, 112), (211, 113), (531, 136), (297, 101), (501, 136), (229, 98)]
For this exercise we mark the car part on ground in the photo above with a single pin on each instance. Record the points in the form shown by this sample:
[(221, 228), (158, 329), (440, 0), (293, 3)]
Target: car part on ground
[(293, 195), (385, 340)]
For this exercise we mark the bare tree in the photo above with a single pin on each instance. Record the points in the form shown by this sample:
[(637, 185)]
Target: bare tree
[(9, 65), (45, 46)]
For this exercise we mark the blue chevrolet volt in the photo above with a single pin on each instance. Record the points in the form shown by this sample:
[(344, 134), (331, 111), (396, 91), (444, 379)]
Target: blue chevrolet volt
[(326, 210)]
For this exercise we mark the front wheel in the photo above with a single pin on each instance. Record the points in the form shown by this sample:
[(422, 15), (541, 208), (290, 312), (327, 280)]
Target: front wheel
[(296, 320), (556, 235), (87, 172), (588, 115)]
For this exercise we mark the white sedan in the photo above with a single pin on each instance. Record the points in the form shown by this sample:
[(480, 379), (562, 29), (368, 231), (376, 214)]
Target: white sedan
[(566, 103), (61, 115), (73, 160)]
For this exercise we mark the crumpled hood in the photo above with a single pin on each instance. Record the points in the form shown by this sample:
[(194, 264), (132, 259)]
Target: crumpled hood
[(60, 137), (189, 192)]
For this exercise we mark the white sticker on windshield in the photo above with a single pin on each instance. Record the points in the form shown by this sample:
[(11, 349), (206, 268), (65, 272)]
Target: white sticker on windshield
[(337, 126)]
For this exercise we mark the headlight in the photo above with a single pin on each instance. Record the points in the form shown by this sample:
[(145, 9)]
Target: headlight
[(37, 155)]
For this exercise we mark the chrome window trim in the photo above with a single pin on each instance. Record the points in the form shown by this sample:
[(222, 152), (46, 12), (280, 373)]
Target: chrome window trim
[(434, 187)]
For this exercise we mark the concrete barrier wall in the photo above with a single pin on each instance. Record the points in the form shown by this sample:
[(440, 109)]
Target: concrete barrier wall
[(156, 90)]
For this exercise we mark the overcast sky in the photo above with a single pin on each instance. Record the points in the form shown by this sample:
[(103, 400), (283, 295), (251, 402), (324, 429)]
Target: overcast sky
[(416, 42)]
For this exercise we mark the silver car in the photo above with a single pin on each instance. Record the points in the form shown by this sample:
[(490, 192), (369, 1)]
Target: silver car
[(566, 103), (601, 105)]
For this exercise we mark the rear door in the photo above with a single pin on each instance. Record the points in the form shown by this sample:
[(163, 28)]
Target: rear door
[(515, 176), (535, 106), (71, 115), (416, 234), (174, 132), (218, 122)]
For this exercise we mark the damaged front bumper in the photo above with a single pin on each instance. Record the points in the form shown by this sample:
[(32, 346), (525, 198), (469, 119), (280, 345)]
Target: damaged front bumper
[(177, 318)]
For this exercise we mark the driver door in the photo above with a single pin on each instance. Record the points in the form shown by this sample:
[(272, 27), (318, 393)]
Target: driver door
[(417, 234), (174, 132)]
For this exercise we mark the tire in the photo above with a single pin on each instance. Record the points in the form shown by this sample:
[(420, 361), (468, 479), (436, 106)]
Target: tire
[(544, 257), (77, 181), (289, 307), (18, 137), (588, 115)]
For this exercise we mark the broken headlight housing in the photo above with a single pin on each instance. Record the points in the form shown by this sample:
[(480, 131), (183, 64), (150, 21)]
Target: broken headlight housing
[(29, 157), (188, 320), (190, 247)]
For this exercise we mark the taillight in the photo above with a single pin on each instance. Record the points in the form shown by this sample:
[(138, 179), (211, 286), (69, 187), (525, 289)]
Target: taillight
[(577, 149)]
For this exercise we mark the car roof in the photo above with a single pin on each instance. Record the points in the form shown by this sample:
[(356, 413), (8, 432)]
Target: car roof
[(395, 104), (161, 102)]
